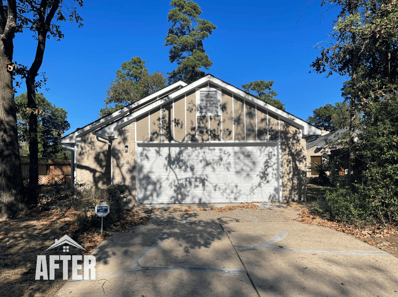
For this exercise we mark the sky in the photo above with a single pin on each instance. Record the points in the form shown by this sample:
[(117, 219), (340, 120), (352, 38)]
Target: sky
[(254, 40)]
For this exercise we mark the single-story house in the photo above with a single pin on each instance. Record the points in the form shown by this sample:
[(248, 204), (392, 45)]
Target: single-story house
[(317, 147), (204, 142)]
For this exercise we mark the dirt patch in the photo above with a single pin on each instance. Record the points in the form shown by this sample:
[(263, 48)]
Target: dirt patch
[(24, 238)]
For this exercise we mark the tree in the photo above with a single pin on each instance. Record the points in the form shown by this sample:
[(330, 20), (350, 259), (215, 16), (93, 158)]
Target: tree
[(51, 126), (132, 83), (42, 18), (10, 163), (329, 117), (263, 90), (366, 49), (15, 16), (186, 37)]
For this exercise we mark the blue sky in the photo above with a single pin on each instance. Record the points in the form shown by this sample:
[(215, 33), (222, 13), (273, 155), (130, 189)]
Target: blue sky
[(254, 40)]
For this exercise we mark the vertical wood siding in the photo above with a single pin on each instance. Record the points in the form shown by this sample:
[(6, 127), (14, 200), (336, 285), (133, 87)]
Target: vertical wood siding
[(226, 108), (239, 118), (191, 116), (240, 121), (179, 119), (142, 129)]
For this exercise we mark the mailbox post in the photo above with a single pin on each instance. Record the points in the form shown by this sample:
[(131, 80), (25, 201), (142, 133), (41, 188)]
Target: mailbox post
[(102, 210)]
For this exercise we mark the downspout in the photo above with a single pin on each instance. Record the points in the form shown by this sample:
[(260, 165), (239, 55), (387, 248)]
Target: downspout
[(109, 143), (73, 161)]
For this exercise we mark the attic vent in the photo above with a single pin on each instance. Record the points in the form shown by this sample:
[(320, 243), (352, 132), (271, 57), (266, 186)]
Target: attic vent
[(208, 102)]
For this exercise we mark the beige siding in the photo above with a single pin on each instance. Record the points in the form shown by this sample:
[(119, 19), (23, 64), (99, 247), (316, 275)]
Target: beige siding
[(179, 119), (191, 116), (250, 122), (142, 128), (155, 125), (294, 183), (123, 161), (273, 127), (167, 118), (239, 118), (203, 129), (262, 124), (215, 128), (93, 162), (226, 116)]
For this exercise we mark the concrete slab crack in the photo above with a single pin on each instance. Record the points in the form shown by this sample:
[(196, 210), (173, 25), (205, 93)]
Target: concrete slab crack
[(243, 264)]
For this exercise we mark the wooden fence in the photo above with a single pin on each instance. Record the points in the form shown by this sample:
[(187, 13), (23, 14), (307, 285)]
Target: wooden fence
[(51, 171)]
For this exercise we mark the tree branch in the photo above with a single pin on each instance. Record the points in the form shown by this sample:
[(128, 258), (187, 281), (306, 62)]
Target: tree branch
[(2, 17), (11, 24)]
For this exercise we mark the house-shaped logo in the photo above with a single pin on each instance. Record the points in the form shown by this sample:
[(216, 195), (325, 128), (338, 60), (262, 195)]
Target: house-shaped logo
[(66, 241)]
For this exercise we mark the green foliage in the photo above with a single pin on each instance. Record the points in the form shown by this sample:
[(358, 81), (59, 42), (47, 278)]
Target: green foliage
[(340, 203), (364, 48), (380, 154), (329, 117), (185, 36), (263, 91), (132, 83), (52, 124)]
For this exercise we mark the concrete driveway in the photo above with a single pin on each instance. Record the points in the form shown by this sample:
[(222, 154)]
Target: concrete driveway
[(208, 258)]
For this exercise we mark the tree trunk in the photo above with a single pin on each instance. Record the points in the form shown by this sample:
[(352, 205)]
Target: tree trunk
[(352, 107), (10, 163), (33, 142)]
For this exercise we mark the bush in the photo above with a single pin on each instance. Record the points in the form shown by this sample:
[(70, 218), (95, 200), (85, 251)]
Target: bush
[(340, 203), (110, 195)]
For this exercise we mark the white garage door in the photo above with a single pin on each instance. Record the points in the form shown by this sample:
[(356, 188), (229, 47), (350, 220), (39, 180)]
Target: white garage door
[(207, 173)]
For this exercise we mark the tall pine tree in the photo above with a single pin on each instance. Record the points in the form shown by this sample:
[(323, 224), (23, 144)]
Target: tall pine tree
[(186, 37)]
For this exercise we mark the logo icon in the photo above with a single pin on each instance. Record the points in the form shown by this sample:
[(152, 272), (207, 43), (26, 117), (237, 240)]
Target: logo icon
[(89, 262), (65, 240)]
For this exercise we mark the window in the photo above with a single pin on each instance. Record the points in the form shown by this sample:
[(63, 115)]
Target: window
[(208, 102), (317, 160)]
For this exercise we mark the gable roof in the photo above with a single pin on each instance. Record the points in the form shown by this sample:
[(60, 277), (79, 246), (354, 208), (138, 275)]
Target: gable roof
[(111, 129), (71, 137)]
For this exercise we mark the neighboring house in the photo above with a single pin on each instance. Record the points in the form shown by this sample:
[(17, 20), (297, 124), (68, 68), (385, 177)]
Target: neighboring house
[(206, 142), (319, 146)]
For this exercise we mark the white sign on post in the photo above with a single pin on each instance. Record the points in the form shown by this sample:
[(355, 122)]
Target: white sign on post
[(102, 210)]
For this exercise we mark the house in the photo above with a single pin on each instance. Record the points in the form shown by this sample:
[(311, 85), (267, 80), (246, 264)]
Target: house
[(206, 142), (317, 147)]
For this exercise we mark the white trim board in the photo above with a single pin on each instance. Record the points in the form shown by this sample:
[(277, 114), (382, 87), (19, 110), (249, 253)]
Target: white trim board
[(292, 120), (71, 138)]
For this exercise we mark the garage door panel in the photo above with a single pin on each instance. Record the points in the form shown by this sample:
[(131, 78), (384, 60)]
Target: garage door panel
[(207, 174)]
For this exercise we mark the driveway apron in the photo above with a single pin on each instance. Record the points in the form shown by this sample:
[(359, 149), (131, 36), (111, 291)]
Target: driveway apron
[(251, 258), (182, 260), (293, 259)]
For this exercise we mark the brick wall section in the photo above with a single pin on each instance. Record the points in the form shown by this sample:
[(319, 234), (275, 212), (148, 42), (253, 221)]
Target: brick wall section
[(93, 162), (293, 163), (123, 163)]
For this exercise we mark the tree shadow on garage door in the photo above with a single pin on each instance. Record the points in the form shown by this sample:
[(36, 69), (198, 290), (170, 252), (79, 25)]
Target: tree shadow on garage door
[(207, 172)]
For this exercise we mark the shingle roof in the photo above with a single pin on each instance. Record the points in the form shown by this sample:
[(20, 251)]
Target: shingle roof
[(321, 141)]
